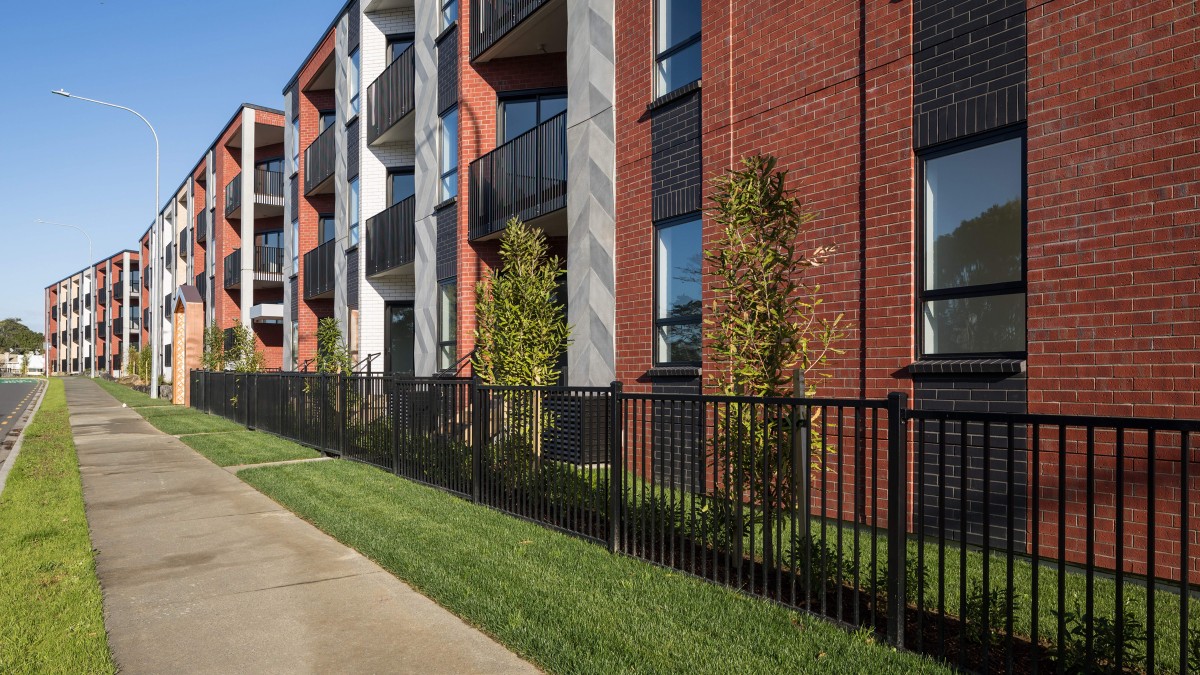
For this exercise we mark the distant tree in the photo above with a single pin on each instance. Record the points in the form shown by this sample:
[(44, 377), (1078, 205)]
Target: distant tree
[(244, 355), (16, 337), (214, 347), (333, 356)]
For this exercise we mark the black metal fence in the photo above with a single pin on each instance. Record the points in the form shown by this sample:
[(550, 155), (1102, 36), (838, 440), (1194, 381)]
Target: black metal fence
[(996, 542)]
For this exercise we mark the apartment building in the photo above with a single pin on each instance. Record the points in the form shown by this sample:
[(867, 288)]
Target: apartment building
[(87, 317), (1011, 196)]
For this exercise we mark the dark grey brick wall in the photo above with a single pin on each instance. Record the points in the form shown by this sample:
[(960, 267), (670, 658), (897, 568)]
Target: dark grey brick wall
[(352, 279), (294, 92), (353, 27), (447, 242), (954, 461), (447, 49), (352, 159), (295, 188), (969, 67), (675, 166)]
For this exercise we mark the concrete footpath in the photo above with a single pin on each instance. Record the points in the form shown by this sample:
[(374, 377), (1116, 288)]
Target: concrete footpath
[(203, 574)]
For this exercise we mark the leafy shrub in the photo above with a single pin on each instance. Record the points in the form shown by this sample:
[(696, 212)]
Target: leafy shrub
[(1107, 646), (985, 627)]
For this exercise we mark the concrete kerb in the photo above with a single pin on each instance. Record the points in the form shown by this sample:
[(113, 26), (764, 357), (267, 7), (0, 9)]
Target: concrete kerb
[(6, 468)]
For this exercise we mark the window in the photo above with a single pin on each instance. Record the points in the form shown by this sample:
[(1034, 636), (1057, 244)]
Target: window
[(677, 54), (447, 324), (399, 345), (677, 259), (973, 250), (397, 45), (449, 13), (294, 339), (326, 228), (328, 117), (355, 81), (275, 164), (519, 114), (295, 247), (353, 230), (295, 145), (400, 185), (448, 140)]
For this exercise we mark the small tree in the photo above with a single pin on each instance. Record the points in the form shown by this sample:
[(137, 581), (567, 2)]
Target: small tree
[(214, 348), (24, 364), (521, 329), (765, 324), (333, 356), (243, 354)]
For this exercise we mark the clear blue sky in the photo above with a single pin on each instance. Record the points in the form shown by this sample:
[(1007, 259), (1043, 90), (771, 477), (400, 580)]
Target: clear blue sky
[(186, 66)]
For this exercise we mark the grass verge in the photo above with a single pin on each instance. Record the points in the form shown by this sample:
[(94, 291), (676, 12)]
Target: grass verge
[(566, 605), (130, 397), (247, 447), (178, 420), (51, 612)]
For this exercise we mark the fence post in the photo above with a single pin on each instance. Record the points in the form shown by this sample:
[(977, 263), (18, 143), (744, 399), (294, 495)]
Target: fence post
[(801, 463), (395, 412), (323, 411), (252, 396), (897, 515), (616, 467), (343, 419), (476, 437)]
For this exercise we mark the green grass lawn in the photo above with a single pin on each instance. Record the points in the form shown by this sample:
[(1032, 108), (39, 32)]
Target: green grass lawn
[(247, 447), (51, 614), (177, 420), (566, 605), (130, 397)]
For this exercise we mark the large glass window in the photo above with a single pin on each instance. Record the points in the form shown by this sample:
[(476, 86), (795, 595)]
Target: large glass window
[(327, 118), (354, 203), (400, 185), (973, 280), (519, 114), (355, 81), (295, 145), (326, 228), (447, 323), (401, 339), (294, 340), (397, 44), (275, 165), (295, 247), (677, 49), (677, 264), (448, 142), (449, 13)]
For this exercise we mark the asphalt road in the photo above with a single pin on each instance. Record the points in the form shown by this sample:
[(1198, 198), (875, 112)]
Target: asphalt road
[(15, 396)]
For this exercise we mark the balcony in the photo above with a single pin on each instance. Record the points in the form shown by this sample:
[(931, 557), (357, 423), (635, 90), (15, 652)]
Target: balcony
[(75, 305), (506, 28), (320, 158), (54, 312), (202, 226), (381, 5), (526, 177), (118, 325), (102, 296), (318, 271), (390, 237), (268, 193), (390, 99), (202, 286), (267, 267)]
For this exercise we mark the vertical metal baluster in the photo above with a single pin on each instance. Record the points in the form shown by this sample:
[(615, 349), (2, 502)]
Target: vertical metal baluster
[(1090, 589), (1034, 459)]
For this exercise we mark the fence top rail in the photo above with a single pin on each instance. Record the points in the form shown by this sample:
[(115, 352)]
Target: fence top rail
[(1051, 420), (864, 403), (557, 389)]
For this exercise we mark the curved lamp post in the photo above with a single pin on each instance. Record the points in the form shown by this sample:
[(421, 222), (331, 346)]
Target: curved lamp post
[(156, 323)]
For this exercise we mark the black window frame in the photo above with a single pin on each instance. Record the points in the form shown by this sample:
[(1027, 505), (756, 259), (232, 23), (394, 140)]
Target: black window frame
[(445, 24), (354, 96), (387, 342), (504, 98), (982, 290), (441, 153), (389, 54), (398, 171), (441, 341), (320, 230), (321, 116), (656, 322), (262, 163), (661, 55)]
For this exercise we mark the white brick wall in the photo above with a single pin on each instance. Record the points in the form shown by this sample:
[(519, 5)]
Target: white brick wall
[(374, 163)]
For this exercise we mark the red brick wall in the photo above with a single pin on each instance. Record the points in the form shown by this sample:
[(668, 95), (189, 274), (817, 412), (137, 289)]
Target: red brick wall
[(479, 85)]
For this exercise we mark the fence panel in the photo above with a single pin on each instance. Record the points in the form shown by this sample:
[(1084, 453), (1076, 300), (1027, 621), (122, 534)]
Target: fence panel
[(432, 435), (368, 420)]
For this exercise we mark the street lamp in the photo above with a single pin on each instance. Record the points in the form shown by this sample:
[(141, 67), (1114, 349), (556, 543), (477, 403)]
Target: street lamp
[(92, 275), (155, 291)]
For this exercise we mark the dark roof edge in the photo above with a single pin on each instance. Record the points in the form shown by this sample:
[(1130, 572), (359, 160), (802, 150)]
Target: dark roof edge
[(332, 24)]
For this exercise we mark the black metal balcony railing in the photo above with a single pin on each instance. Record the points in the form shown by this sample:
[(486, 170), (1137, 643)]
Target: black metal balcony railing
[(391, 96), (319, 160), (268, 265), (201, 286), (233, 269), (118, 291), (169, 255), (496, 18), (233, 195), (202, 226), (75, 304), (526, 177), (390, 236), (318, 270), (118, 325), (102, 296), (54, 312), (268, 187), (146, 277)]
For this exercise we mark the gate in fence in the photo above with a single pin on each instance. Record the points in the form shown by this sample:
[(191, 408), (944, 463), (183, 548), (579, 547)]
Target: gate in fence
[(997, 542)]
